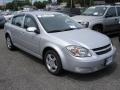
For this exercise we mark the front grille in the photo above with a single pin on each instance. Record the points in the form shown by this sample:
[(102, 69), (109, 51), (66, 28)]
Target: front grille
[(102, 50)]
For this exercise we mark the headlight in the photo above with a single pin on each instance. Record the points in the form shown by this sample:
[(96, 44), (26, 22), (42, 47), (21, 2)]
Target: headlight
[(111, 41), (79, 51), (86, 24)]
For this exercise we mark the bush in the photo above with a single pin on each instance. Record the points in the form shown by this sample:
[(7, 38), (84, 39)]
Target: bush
[(40, 5)]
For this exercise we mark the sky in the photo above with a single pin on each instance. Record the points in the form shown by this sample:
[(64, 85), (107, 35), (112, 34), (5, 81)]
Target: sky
[(6, 1)]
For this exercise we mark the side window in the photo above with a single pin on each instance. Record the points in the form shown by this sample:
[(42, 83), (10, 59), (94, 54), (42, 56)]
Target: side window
[(17, 20), (111, 12), (118, 10), (29, 22)]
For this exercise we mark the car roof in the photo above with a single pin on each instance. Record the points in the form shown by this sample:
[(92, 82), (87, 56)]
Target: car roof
[(37, 13), (107, 5)]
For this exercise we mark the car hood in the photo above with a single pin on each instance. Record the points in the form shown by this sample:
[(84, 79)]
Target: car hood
[(82, 18), (83, 37)]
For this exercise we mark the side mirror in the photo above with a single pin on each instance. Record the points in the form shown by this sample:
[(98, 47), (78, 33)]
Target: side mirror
[(33, 29)]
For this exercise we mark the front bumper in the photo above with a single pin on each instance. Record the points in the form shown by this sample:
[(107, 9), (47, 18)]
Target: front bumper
[(89, 64)]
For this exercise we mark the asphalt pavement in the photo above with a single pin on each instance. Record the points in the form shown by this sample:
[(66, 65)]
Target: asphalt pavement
[(21, 71)]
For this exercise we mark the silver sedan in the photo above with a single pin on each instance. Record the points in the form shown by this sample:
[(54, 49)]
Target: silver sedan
[(60, 42)]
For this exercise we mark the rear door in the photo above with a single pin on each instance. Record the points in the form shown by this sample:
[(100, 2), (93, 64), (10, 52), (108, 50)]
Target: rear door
[(16, 29), (111, 20)]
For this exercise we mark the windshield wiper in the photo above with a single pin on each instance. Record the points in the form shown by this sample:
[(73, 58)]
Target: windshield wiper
[(68, 29), (86, 14), (54, 31)]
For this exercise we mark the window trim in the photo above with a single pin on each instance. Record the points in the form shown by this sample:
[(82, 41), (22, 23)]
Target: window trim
[(18, 16), (28, 15), (108, 10)]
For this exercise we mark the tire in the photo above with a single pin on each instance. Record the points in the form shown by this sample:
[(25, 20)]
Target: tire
[(119, 38), (53, 62), (9, 43), (98, 28)]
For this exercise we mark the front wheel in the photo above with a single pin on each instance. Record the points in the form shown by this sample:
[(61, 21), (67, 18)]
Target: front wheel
[(53, 62)]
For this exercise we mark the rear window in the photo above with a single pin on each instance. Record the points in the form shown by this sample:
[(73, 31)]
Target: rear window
[(17, 20), (112, 12)]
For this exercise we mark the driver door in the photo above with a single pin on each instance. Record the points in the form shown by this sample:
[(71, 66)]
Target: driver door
[(31, 40)]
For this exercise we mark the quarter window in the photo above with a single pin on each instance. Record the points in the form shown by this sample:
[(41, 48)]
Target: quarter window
[(111, 12), (17, 20)]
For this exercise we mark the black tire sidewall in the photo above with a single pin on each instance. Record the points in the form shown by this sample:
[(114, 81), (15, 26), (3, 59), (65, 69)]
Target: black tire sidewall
[(98, 28), (12, 46), (59, 64)]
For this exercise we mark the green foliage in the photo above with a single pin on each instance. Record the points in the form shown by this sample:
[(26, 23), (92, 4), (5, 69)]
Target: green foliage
[(49, 1), (81, 2), (59, 1), (10, 6), (17, 4), (70, 3), (40, 5)]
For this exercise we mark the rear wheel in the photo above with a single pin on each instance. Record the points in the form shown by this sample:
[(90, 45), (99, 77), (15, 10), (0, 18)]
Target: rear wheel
[(53, 62), (9, 43)]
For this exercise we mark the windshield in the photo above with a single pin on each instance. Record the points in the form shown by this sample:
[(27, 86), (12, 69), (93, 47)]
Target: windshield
[(58, 23), (95, 11)]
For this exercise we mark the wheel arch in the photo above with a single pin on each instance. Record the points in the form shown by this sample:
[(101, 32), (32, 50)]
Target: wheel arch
[(98, 24), (7, 34), (56, 49)]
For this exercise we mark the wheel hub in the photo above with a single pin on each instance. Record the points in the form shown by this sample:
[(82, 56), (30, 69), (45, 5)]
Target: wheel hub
[(51, 62)]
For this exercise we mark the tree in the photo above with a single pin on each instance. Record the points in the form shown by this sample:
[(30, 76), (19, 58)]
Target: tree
[(70, 3), (50, 1), (16, 4), (81, 2), (40, 5), (10, 6), (59, 1)]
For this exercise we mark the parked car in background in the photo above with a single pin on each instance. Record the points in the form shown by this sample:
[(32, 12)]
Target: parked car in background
[(2, 21), (69, 11), (102, 18), (7, 15), (60, 42), (17, 12)]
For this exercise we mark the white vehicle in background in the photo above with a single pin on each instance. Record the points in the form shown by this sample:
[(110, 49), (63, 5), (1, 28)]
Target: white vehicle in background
[(7, 15), (102, 18)]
